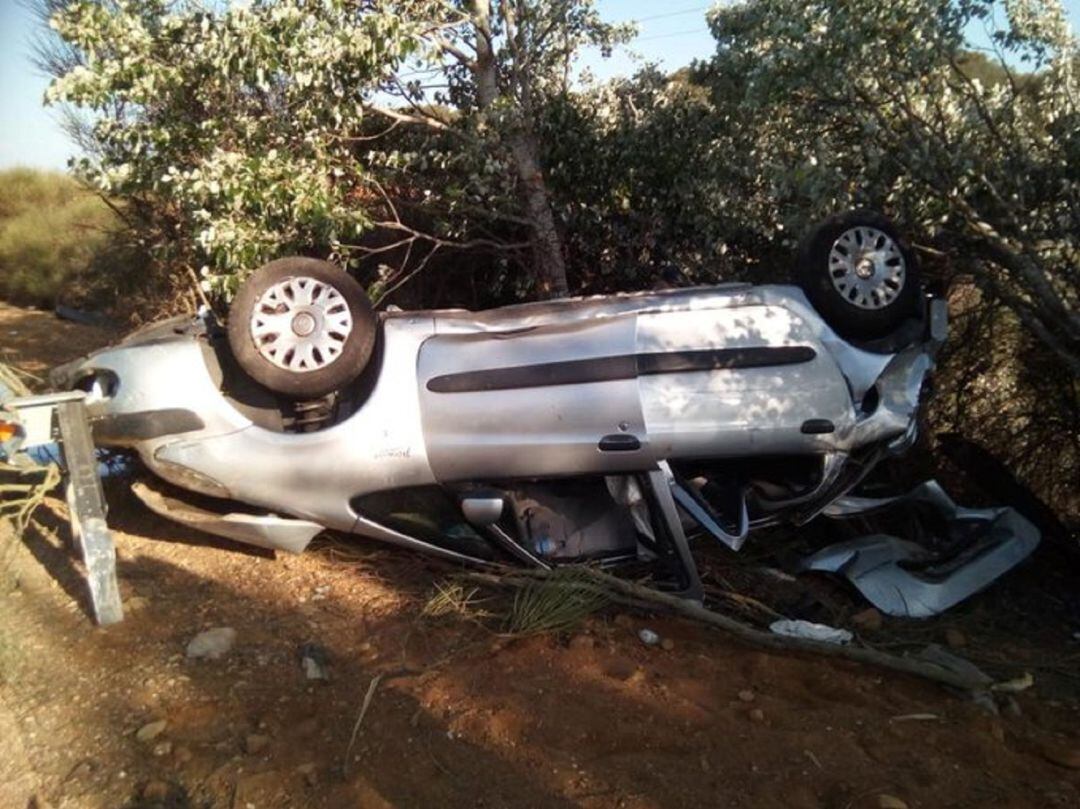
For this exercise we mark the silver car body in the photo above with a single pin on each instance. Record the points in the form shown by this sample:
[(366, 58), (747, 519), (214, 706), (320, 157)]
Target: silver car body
[(608, 386)]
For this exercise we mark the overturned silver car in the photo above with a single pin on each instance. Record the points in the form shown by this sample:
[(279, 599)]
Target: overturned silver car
[(593, 429)]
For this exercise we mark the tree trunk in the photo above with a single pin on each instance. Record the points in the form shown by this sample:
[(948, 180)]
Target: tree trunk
[(549, 268)]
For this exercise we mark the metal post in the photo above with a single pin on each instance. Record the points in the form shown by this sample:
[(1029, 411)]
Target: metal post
[(87, 506)]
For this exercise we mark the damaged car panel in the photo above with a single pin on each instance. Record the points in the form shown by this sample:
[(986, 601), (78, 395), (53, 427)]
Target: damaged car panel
[(911, 580)]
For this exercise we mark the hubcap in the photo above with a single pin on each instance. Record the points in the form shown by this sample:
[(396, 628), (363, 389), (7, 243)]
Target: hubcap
[(867, 268), (301, 324)]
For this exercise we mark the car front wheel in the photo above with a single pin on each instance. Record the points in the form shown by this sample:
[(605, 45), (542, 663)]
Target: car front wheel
[(301, 327)]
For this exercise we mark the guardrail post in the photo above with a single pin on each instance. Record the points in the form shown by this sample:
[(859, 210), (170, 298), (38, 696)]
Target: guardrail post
[(87, 505)]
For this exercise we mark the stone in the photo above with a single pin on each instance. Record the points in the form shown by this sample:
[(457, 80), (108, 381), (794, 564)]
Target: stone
[(581, 642), (136, 604), (868, 619), (667, 644), (757, 716), (1068, 757), (620, 669), (211, 644), (746, 695), (310, 773), (313, 661), (162, 748), (255, 743), (624, 621), (182, 755), (81, 770), (954, 638), (151, 730), (886, 801), (155, 790)]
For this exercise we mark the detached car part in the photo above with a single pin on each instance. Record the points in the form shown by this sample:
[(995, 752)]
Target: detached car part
[(906, 579)]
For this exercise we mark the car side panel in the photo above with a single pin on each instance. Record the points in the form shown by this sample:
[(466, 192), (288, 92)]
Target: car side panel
[(741, 410), (492, 404)]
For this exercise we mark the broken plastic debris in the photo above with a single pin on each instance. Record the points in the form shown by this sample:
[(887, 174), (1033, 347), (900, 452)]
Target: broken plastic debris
[(648, 637), (810, 631)]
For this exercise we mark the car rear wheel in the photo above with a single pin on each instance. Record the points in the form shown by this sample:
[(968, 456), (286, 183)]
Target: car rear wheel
[(860, 274), (301, 327)]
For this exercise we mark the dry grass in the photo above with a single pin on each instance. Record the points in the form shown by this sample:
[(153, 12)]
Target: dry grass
[(453, 600), (557, 603)]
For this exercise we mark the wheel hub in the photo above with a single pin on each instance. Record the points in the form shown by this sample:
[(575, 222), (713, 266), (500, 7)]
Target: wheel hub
[(867, 268), (301, 324)]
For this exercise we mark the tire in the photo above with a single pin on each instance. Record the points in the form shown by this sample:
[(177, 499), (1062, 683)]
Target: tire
[(301, 327), (860, 274)]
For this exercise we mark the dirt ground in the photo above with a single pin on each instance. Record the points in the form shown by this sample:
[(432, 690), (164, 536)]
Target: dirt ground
[(458, 715)]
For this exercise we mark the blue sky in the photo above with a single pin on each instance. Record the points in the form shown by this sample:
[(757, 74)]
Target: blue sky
[(671, 33)]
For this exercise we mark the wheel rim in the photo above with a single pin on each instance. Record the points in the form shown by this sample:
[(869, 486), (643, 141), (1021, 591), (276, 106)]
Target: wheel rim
[(867, 268), (301, 324)]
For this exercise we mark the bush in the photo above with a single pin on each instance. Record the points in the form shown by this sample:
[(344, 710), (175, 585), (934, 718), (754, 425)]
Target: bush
[(51, 234)]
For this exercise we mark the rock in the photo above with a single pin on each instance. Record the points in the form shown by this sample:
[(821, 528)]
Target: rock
[(648, 637), (624, 621), (954, 638), (757, 716), (255, 743), (313, 661), (151, 730), (136, 604), (162, 748), (868, 619), (746, 695), (581, 642), (212, 644), (81, 770), (309, 771), (155, 790), (620, 669), (667, 644), (885, 801), (1068, 757), (38, 802), (182, 755)]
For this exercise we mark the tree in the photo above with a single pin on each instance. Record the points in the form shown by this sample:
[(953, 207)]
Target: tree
[(864, 102), (242, 132)]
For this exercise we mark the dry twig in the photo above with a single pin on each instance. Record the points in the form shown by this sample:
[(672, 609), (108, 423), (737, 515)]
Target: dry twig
[(645, 597)]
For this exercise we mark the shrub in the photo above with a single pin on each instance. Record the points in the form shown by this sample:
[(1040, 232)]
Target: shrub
[(53, 234)]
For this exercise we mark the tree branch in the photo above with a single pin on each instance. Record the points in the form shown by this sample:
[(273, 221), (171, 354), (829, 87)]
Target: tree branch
[(648, 598)]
